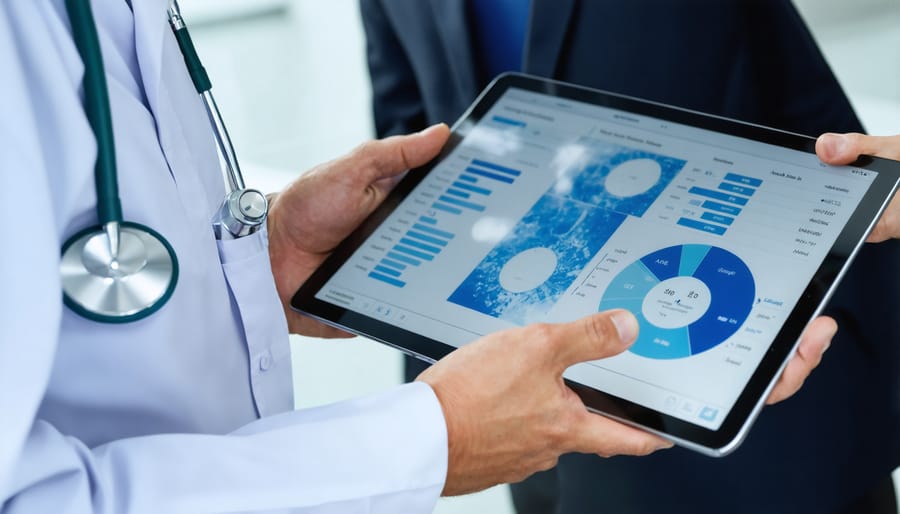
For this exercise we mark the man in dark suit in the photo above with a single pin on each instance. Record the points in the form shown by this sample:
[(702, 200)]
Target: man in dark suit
[(829, 450)]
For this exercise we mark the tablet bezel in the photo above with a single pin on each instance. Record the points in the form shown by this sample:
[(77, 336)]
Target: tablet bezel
[(734, 427)]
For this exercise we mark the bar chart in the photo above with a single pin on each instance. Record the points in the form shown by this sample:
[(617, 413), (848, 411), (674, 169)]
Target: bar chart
[(426, 237), (722, 204)]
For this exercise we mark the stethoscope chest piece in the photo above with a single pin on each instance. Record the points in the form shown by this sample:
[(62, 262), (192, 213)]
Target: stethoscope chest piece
[(117, 273), (120, 271)]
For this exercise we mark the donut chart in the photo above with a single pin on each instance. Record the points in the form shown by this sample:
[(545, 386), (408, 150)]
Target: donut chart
[(688, 299)]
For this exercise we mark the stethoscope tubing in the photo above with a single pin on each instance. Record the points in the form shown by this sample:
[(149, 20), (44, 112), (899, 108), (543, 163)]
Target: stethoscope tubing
[(203, 85), (118, 271), (97, 109)]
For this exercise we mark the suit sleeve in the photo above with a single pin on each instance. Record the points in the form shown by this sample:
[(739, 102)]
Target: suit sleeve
[(397, 103)]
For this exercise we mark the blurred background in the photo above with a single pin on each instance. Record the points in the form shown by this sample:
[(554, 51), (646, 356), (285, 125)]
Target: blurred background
[(290, 77)]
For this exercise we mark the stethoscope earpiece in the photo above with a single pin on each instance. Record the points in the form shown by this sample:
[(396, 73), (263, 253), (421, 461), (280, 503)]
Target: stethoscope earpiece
[(117, 273)]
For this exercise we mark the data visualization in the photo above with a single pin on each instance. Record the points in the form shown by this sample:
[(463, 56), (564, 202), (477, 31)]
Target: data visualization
[(524, 275), (425, 239), (549, 210), (687, 298)]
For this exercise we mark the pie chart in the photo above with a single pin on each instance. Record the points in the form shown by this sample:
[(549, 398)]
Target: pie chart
[(687, 298)]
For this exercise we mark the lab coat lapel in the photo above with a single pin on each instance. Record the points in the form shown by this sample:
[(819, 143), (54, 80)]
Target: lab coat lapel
[(161, 64), (547, 32), (450, 19), (149, 34)]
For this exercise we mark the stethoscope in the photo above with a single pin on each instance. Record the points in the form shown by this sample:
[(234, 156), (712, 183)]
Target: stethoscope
[(120, 271)]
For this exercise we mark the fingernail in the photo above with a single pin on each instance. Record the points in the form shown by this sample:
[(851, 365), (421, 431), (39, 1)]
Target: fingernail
[(626, 325), (433, 127), (834, 145), (830, 337)]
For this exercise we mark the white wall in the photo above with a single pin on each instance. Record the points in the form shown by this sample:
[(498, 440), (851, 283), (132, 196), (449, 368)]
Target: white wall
[(819, 13), (861, 40)]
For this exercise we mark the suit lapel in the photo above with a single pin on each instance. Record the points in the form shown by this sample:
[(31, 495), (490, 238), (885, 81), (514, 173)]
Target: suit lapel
[(547, 32), (452, 25)]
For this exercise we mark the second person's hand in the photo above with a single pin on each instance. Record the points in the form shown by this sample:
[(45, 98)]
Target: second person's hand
[(840, 149)]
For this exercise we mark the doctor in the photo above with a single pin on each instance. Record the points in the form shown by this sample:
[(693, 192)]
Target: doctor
[(187, 408)]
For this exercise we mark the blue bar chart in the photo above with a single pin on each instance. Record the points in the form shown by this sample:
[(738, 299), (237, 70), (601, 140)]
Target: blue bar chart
[(722, 204), (740, 179), (719, 195), (423, 239), (732, 188), (717, 218), (718, 207), (503, 120), (711, 228)]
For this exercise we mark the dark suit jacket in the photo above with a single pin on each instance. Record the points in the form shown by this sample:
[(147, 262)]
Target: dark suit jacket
[(748, 59)]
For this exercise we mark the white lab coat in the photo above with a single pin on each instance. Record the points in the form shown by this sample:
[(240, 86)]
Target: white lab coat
[(160, 415)]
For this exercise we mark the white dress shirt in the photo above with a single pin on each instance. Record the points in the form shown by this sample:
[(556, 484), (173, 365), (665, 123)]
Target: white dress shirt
[(161, 415)]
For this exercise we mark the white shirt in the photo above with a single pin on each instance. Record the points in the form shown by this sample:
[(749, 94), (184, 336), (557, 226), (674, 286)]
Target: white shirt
[(160, 415)]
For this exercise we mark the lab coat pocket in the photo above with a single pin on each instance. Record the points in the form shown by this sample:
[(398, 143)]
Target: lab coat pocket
[(249, 275)]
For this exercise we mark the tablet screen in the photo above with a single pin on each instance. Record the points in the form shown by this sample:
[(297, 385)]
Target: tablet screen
[(550, 209)]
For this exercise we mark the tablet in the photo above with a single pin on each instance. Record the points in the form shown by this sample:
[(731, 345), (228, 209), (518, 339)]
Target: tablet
[(551, 202)]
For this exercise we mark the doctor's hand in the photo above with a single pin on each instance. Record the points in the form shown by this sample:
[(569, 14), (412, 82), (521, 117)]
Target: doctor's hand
[(841, 149), (508, 412), (320, 209)]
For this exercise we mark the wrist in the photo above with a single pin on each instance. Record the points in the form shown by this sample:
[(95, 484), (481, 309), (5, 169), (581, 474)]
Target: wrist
[(280, 249), (458, 443)]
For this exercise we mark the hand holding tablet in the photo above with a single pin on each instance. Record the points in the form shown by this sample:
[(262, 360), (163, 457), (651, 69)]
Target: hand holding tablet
[(551, 202), (841, 149), (509, 417), (317, 211)]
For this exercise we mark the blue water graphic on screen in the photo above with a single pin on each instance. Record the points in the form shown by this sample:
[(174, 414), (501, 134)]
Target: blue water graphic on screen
[(620, 179), (525, 274)]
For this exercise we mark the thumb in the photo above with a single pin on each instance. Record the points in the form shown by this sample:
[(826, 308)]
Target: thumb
[(595, 337), (394, 155), (840, 149)]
